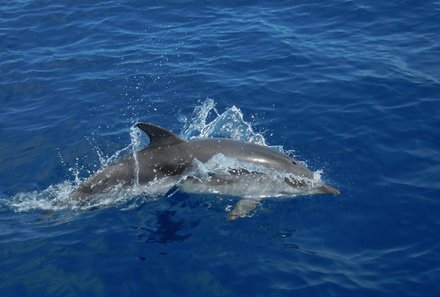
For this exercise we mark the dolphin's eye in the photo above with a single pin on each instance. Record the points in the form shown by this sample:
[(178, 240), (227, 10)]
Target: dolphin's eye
[(294, 163)]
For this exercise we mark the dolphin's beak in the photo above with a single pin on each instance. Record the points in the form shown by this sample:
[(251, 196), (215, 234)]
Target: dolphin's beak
[(325, 189)]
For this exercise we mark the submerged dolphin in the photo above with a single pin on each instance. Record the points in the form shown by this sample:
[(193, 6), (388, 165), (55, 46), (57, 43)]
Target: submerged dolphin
[(258, 172)]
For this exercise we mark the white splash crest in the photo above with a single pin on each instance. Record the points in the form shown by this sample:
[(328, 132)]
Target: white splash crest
[(228, 124), (135, 136)]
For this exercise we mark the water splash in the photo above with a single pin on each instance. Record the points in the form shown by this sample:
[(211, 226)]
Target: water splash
[(135, 136), (228, 124)]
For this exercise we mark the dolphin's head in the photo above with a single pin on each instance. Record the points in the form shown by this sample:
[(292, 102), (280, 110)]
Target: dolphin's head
[(300, 184), (304, 180)]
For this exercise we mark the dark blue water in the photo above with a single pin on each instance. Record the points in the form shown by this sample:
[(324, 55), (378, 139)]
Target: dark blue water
[(353, 87)]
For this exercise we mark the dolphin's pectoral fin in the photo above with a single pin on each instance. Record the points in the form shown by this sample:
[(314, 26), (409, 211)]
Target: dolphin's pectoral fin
[(159, 135), (326, 189), (243, 208)]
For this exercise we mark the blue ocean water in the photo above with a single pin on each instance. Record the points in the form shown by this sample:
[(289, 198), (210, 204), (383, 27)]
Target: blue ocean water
[(351, 87)]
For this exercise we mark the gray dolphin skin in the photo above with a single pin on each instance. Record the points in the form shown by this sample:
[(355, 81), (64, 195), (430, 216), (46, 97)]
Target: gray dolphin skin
[(168, 155)]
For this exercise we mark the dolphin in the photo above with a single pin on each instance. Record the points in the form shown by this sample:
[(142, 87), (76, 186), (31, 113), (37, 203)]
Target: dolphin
[(215, 165)]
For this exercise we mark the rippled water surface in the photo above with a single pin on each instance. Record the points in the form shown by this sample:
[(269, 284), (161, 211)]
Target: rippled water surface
[(351, 88)]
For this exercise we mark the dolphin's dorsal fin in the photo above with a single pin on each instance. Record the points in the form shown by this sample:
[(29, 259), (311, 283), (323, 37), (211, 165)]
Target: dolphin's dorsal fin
[(159, 135)]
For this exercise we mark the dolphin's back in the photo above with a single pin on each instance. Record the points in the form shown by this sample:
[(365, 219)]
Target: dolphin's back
[(205, 149)]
